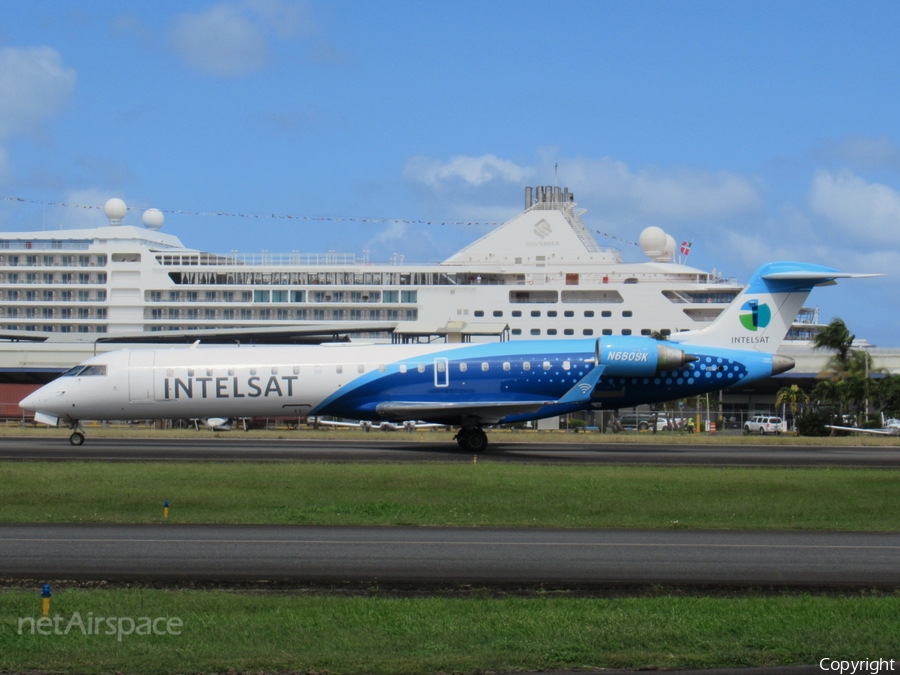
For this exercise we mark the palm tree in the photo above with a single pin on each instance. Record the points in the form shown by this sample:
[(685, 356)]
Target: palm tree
[(792, 396), (836, 336)]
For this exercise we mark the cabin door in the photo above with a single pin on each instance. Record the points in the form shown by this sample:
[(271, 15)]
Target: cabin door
[(140, 376), (441, 373)]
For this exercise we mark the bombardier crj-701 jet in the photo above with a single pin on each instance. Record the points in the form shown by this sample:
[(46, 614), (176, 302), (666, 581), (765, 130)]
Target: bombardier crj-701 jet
[(469, 386)]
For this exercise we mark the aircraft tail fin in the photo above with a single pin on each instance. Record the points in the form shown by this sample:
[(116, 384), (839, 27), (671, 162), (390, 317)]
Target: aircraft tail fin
[(760, 317)]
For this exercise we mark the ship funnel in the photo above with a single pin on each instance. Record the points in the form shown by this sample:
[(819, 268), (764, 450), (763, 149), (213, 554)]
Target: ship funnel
[(528, 200)]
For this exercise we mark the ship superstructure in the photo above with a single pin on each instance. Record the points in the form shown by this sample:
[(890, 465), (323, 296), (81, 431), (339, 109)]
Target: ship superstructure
[(541, 274)]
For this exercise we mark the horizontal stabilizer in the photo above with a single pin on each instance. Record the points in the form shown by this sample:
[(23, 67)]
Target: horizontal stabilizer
[(812, 276)]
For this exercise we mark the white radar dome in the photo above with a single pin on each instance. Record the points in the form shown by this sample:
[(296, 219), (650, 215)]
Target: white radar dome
[(669, 250), (115, 210), (653, 242), (153, 219)]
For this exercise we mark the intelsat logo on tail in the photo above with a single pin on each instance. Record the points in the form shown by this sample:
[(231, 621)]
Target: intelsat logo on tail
[(757, 315)]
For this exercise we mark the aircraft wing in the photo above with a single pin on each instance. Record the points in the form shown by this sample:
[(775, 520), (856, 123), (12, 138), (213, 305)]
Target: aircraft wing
[(879, 432), (482, 412)]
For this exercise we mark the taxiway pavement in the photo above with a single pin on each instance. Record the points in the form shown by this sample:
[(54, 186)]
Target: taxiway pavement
[(458, 555), (232, 448)]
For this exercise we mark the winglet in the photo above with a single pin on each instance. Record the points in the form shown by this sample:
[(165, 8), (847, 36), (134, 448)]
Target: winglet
[(581, 392)]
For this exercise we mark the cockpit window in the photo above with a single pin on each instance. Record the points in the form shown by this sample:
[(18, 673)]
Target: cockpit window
[(85, 371)]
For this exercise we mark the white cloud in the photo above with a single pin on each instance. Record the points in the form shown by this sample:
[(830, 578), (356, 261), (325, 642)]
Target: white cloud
[(473, 171), (869, 211), (863, 152), (656, 196), (233, 39), (34, 85)]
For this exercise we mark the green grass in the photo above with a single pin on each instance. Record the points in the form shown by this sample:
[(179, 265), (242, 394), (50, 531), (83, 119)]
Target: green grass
[(242, 632), (486, 494)]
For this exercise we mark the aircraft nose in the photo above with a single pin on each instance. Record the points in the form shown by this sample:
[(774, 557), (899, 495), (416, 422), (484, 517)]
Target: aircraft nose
[(30, 402)]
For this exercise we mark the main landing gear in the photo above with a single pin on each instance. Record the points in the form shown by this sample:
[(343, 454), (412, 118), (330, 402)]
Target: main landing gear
[(472, 439), (77, 437)]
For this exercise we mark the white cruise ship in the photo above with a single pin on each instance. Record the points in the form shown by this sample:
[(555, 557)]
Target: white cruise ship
[(541, 274)]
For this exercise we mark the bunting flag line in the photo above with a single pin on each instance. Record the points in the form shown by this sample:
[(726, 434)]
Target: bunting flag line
[(612, 236), (270, 216)]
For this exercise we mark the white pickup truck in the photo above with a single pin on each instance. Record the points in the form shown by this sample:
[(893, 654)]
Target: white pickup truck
[(764, 424)]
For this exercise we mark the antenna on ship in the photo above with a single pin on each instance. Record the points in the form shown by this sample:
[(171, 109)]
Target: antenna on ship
[(115, 210), (556, 175)]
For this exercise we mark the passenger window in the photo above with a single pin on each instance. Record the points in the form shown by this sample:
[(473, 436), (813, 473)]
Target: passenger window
[(645, 331), (546, 365), (566, 365), (402, 367), (535, 313), (317, 370), (421, 368), (627, 313), (360, 368), (506, 365), (339, 369), (484, 366), (479, 313), (526, 365), (463, 367)]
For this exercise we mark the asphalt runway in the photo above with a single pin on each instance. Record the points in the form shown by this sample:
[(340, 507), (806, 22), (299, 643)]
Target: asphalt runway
[(430, 554), (231, 447)]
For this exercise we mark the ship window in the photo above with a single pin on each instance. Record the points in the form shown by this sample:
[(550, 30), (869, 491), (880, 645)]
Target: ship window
[(535, 331), (279, 296), (298, 296), (421, 368), (516, 313), (568, 331), (551, 331), (484, 366), (479, 313), (551, 314), (607, 331), (409, 296), (535, 312), (665, 331), (606, 314), (526, 365), (463, 367), (626, 331), (260, 296), (516, 331), (402, 367), (390, 296), (588, 331), (589, 313), (645, 331), (631, 280), (506, 365), (498, 312), (568, 314), (627, 313)]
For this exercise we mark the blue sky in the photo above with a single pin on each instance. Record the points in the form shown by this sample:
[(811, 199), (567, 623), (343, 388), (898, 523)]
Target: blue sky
[(759, 130)]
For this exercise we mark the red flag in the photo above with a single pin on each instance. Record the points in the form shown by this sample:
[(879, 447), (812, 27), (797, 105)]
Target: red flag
[(686, 247)]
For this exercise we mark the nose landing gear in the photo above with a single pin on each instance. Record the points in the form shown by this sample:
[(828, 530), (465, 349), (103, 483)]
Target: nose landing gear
[(77, 437), (472, 439)]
